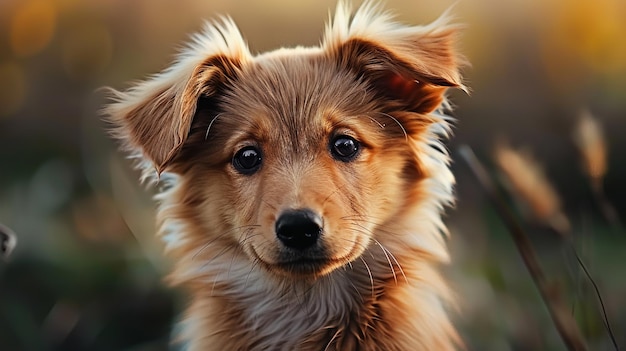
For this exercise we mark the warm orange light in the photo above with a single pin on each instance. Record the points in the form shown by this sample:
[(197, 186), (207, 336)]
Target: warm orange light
[(12, 88), (87, 51), (32, 27)]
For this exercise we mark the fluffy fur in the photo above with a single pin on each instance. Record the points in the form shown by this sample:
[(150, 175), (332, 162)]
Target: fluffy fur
[(371, 282)]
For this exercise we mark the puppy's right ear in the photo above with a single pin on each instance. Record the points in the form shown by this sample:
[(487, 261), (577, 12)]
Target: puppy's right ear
[(412, 66), (153, 118)]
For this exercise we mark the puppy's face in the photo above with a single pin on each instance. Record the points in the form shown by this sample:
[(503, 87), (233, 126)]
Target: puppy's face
[(308, 158), (299, 157)]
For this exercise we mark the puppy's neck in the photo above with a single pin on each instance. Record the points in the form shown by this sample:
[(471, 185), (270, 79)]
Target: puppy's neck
[(266, 310)]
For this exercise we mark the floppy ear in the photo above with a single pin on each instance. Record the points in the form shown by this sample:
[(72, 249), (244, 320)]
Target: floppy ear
[(153, 118), (412, 65), (158, 119)]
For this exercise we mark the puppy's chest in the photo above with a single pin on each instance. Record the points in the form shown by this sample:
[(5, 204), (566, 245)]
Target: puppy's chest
[(309, 332), (332, 322)]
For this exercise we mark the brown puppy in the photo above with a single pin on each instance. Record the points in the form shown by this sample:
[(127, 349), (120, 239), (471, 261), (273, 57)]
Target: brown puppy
[(304, 187)]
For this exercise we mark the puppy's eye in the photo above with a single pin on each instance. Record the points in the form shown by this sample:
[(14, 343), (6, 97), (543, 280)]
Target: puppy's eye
[(344, 148), (247, 160)]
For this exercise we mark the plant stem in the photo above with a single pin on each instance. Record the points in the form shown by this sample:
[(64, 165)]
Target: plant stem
[(563, 321)]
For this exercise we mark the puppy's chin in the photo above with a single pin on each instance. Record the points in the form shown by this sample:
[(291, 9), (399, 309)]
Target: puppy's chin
[(305, 268), (304, 265)]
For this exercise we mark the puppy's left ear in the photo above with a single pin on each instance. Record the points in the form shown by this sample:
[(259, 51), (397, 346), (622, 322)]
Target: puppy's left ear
[(412, 66), (153, 118)]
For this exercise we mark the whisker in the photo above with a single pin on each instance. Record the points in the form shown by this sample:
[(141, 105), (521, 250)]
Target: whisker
[(215, 279), (210, 242), (388, 254), (362, 218), (329, 196), (242, 239), (222, 252), (206, 135), (393, 257), (219, 254), (356, 242), (406, 136), (255, 263), (369, 272), (269, 205), (382, 126), (393, 271), (370, 253), (335, 336), (379, 226)]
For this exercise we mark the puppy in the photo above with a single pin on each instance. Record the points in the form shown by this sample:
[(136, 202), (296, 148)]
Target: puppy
[(303, 188)]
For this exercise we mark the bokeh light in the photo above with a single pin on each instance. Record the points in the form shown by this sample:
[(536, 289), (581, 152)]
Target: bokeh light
[(12, 88), (32, 26), (87, 50)]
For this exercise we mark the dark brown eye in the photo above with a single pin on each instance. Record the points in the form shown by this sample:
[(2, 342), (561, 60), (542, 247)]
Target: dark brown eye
[(247, 160), (344, 148)]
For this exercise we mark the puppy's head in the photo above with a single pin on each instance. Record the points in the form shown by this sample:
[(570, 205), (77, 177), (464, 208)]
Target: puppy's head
[(295, 158)]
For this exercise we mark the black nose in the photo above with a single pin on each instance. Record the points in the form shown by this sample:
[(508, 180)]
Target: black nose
[(298, 229)]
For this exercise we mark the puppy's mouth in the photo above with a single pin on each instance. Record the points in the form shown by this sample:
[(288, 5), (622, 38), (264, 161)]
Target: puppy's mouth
[(311, 264), (303, 266)]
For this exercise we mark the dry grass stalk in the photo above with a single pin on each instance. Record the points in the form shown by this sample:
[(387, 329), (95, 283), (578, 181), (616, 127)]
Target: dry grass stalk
[(550, 293), (532, 188), (529, 183), (590, 140), (533, 191), (589, 137)]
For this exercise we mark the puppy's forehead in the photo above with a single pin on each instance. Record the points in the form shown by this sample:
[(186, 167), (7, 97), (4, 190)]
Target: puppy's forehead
[(294, 93)]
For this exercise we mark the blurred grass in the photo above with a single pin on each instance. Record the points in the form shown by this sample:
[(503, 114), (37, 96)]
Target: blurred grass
[(88, 299), (86, 274)]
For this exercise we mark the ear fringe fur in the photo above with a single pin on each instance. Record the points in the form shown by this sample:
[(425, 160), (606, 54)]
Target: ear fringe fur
[(373, 23), (220, 37)]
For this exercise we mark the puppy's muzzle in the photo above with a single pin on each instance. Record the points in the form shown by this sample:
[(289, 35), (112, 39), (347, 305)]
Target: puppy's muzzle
[(299, 229)]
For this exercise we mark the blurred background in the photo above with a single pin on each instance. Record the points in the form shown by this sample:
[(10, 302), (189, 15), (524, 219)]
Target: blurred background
[(86, 274)]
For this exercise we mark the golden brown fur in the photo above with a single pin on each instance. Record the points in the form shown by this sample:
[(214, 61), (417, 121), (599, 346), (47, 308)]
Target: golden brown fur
[(369, 279)]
